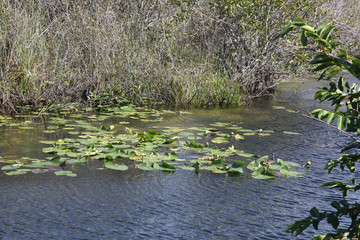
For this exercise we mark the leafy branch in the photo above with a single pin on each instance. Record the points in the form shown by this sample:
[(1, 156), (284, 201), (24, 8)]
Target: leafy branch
[(332, 60)]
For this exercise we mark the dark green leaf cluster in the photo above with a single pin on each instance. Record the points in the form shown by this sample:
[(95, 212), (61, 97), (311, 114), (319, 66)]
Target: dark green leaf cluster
[(343, 208), (340, 94), (326, 60)]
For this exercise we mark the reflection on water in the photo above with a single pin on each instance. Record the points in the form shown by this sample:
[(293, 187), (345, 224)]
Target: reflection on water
[(106, 204)]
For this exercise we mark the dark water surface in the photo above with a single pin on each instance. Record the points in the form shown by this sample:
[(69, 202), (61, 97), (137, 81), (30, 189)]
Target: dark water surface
[(134, 204)]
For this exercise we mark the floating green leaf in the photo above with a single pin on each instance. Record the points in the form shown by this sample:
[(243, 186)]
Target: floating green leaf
[(219, 140), (145, 166), (263, 173), (253, 165), (167, 166), (65, 173), (114, 166), (193, 144), (291, 133), (18, 172), (10, 167), (287, 172), (237, 167)]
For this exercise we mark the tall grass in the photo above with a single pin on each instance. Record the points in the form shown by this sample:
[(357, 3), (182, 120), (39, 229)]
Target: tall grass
[(172, 52)]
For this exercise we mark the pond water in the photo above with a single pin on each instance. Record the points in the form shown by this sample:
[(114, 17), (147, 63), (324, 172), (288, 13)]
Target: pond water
[(101, 203)]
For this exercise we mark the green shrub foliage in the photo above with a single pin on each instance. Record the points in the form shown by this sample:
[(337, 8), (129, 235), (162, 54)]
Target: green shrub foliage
[(331, 60)]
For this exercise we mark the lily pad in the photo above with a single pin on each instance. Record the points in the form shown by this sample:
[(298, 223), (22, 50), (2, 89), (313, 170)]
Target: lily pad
[(219, 140), (170, 140), (253, 165), (74, 132), (49, 131), (9, 167), (65, 173), (287, 163), (192, 144), (18, 172), (237, 167), (114, 166), (145, 166), (287, 172), (292, 133), (244, 154), (263, 173), (221, 152), (165, 166)]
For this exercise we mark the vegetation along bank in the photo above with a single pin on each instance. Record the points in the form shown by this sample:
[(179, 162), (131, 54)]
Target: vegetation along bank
[(177, 53)]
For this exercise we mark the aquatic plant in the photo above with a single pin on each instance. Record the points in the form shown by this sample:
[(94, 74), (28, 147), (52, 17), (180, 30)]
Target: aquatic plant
[(119, 147), (178, 52)]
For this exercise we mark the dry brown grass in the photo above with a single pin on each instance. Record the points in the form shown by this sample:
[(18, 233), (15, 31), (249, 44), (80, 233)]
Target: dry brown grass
[(187, 54)]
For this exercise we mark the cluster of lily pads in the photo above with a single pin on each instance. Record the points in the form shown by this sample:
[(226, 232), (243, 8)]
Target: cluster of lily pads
[(168, 149)]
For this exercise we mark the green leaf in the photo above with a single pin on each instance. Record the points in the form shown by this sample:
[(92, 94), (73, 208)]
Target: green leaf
[(292, 133), (323, 42), (65, 173), (18, 172), (164, 166), (263, 173), (322, 114), (9, 167), (146, 166), (341, 122), (114, 166), (322, 28), (333, 220), (323, 66), (197, 166), (284, 170), (327, 33), (331, 184), (154, 132), (170, 140), (287, 29), (307, 28), (253, 165), (321, 58), (330, 72), (304, 40), (297, 22), (219, 140), (193, 144), (237, 167), (331, 117), (312, 34), (314, 212)]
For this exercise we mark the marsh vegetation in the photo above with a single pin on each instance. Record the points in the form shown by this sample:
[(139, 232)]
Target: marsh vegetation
[(174, 53)]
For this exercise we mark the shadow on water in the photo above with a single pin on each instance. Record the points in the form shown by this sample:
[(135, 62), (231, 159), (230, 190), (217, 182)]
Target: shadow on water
[(134, 204)]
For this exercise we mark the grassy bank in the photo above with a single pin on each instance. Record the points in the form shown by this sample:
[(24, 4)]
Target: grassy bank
[(177, 53)]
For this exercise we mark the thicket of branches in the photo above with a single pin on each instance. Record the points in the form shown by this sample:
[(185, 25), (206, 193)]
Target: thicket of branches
[(174, 52)]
